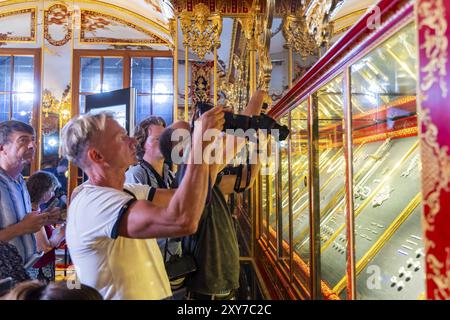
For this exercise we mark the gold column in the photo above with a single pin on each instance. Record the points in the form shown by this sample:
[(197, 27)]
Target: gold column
[(174, 32), (186, 87), (314, 198), (216, 80), (249, 28), (350, 218), (290, 60), (252, 61)]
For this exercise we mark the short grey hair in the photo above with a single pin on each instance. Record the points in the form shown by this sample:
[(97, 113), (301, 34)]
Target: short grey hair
[(78, 133)]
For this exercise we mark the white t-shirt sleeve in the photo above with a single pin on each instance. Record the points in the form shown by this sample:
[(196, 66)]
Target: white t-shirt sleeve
[(101, 210), (140, 191)]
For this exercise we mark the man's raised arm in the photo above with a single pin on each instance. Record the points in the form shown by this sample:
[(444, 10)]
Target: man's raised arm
[(181, 217)]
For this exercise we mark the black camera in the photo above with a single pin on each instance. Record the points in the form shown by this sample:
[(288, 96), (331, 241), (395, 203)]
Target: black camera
[(239, 121)]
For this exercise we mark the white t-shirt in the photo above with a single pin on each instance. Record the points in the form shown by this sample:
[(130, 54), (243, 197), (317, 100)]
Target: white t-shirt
[(118, 267)]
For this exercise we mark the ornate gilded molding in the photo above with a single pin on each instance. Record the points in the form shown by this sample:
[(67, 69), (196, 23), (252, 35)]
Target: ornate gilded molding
[(92, 21), (432, 18), (201, 30), (437, 178), (433, 53), (60, 107), (264, 33), (308, 26), (233, 8), (318, 18), (297, 36), (173, 25), (59, 15), (9, 36)]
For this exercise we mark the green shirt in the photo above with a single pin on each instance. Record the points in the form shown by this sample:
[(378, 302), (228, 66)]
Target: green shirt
[(216, 249)]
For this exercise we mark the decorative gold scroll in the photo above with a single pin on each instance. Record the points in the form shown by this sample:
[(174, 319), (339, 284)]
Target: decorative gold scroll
[(297, 36), (201, 30), (435, 45), (58, 14), (92, 21)]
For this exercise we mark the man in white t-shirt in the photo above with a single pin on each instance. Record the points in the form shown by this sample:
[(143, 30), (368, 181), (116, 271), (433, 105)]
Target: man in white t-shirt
[(109, 222)]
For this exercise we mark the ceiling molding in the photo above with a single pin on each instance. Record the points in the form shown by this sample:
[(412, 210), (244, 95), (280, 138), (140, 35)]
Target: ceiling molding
[(107, 19), (9, 37), (156, 25)]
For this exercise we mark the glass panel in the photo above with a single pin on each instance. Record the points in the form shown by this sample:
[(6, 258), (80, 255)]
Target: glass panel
[(143, 108), (163, 106), (263, 229), (23, 74), (331, 181), (4, 107), (141, 74), (22, 107), (387, 188), (162, 76), (50, 146), (82, 103), (5, 73), (90, 75), (283, 190), (112, 74), (272, 195), (299, 172)]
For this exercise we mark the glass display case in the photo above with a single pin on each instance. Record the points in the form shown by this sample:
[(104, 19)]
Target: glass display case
[(366, 114), (299, 173)]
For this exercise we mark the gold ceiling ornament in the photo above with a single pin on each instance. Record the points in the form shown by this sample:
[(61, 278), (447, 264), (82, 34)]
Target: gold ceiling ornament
[(318, 18), (201, 29), (297, 36), (249, 29)]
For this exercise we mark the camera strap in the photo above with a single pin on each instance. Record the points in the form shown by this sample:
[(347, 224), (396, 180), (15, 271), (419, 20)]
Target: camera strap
[(237, 184)]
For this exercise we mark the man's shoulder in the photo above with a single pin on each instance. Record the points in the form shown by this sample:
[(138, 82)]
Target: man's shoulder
[(88, 191), (136, 169), (140, 191)]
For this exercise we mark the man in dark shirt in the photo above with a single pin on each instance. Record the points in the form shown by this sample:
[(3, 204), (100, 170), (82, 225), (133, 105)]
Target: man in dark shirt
[(215, 245)]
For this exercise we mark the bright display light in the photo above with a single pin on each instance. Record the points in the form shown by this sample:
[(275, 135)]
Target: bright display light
[(52, 142), (160, 88)]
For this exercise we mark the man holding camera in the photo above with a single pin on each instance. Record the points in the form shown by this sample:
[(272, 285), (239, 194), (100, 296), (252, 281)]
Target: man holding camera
[(111, 225), (215, 245)]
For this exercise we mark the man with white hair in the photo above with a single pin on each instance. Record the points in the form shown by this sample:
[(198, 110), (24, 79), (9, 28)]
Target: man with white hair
[(109, 222)]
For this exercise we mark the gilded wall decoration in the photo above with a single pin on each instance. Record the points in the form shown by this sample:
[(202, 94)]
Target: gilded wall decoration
[(433, 101), (4, 36), (235, 92), (297, 36), (225, 7), (92, 22), (318, 20), (129, 47), (201, 30), (50, 104), (58, 15), (434, 23), (11, 36), (201, 81)]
